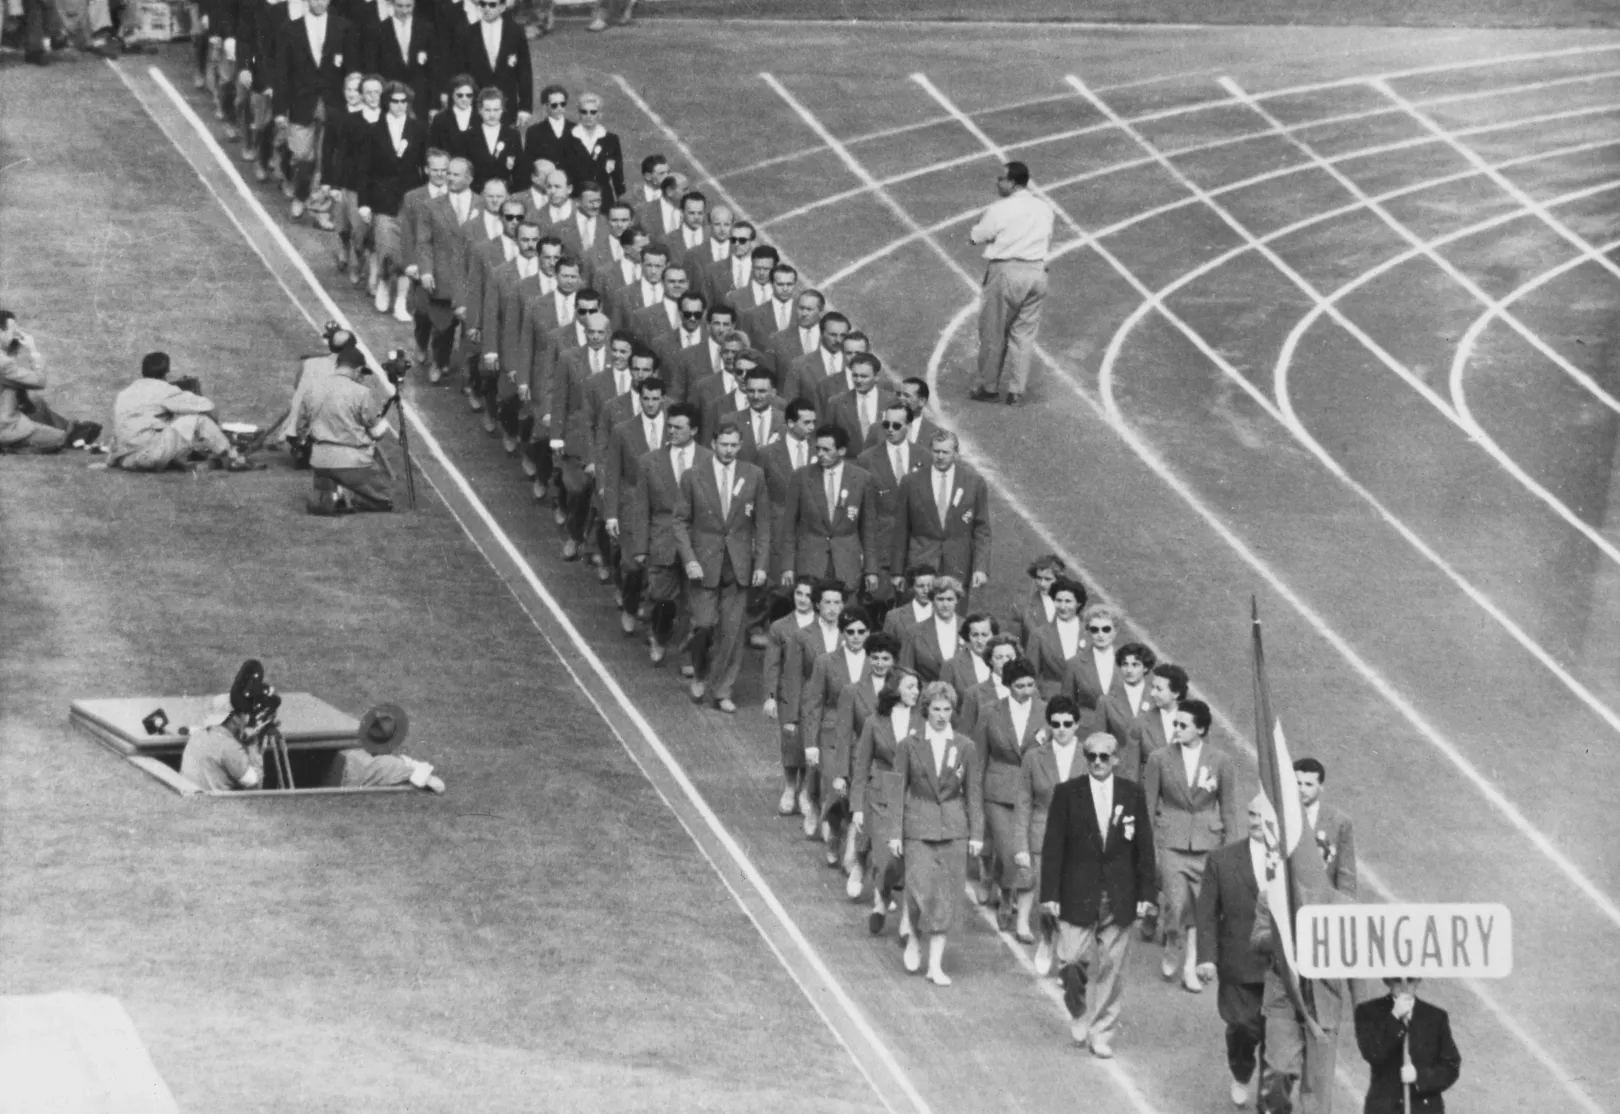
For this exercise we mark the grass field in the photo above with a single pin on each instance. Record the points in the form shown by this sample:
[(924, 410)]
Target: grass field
[(1362, 284)]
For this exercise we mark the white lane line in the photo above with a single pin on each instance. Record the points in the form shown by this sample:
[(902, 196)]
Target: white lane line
[(1209, 145), (893, 1083), (1498, 310), (1188, 110), (1369, 874), (1457, 412), (1486, 787)]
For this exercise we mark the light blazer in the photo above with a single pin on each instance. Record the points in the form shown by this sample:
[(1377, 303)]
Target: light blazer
[(921, 649), (1224, 915), (1078, 866), (651, 526), (855, 706), (804, 647), (620, 472), (1029, 615), (1004, 748), (1337, 842), (1199, 817), (818, 710), (960, 546), (775, 430), (844, 535), (874, 755), (1037, 778), (671, 368), (706, 536), (1082, 683), (1045, 652), (944, 805), (1120, 720)]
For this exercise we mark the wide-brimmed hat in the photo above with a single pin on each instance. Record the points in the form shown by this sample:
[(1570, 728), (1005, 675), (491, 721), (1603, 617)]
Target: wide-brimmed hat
[(383, 729)]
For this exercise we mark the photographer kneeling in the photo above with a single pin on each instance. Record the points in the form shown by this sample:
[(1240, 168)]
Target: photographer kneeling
[(231, 755), (345, 424), (158, 424)]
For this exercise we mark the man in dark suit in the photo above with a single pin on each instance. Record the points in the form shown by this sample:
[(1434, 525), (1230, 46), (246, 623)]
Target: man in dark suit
[(1097, 877), (801, 338), (715, 250), (588, 236), (765, 320), (406, 48), (706, 361), (310, 57), (551, 138), (653, 323), (632, 439), (890, 461), (672, 346), (626, 300), (650, 527), (736, 269), (780, 459), (740, 363), (723, 531), (1225, 918), (920, 432), (1407, 1043), (764, 421), (813, 370), (495, 52), (830, 387), (943, 518), (571, 431), (495, 149), (757, 291), (692, 235), (828, 528), (861, 409)]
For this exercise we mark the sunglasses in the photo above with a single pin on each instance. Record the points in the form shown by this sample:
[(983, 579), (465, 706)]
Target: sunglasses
[(512, 216), (691, 315), (489, 3), (742, 239), (1098, 756), (1099, 630), (894, 425), (556, 104), (590, 112), (1064, 722), (399, 100), (854, 630), (464, 95)]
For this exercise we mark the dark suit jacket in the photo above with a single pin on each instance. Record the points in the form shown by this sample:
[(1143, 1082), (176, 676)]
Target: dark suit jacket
[(920, 649), (843, 412), (705, 535), (920, 449), (1004, 748), (886, 492), (1078, 867), (446, 133), (1119, 720), (697, 364), (627, 444), (759, 323), (875, 749), (672, 369), (651, 323), (741, 299), (943, 805), (512, 73), (1045, 652), (1434, 1054), (814, 534), (855, 706), (818, 705), (385, 175), (1199, 817), (650, 529), (502, 162), (803, 649), (564, 151), (1029, 615), (421, 67), (775, 431), (1225, 915), (960, 546), (1083, 684), (606, 150), (772, 671), (1038, 778), (301, 83), (809, 377)]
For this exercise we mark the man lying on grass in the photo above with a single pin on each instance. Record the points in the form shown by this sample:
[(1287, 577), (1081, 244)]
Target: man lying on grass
[(376, 761)]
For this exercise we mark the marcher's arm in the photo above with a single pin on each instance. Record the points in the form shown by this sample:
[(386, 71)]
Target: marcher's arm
[(1434, 1078)]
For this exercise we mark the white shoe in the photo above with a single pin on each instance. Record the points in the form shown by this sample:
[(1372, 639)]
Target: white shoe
[(788, 805), (1240, 1093), (380, 299), (402, 295), (297, 209), (913, 956), (856, 883), (811, 828), (1168, 967), (939, 978), (1043, 956)]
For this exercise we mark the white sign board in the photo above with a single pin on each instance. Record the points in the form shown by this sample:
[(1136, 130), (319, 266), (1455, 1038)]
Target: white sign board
[(1430, 941)]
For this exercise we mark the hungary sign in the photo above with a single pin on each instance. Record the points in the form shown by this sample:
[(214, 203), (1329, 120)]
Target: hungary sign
[(1432, 941)]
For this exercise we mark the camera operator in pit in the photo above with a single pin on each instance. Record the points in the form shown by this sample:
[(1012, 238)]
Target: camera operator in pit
[(230, 756), (346, 422)]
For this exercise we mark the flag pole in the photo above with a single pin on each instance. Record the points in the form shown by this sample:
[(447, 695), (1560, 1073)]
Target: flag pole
[(1406, 1062)]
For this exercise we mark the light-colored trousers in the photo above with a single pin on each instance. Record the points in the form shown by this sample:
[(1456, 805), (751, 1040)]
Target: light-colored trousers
[(175, 442), (1008, 319), (1101, 949), (1291, 1053)]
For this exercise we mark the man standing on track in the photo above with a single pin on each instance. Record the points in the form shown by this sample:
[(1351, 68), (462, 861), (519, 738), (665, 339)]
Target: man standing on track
[(1016, 232)]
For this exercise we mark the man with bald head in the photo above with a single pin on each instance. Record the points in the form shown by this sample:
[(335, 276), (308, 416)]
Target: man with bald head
[(715, 250), (558, 214), (441, 262), (1233, 878), (648, 290), (653, 323), (536, 197)]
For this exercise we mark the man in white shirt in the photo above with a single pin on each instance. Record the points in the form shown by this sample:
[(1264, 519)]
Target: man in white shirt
[(1334, 834), (1017, 234)]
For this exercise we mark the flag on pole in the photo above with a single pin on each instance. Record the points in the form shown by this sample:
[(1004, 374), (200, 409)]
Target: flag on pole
[(1299, 877)]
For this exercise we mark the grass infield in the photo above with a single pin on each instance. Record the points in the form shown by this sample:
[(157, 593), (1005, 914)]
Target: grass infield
[(544, 937)]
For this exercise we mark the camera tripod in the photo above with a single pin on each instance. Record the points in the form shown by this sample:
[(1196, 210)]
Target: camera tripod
[(275, 748), (398, 399)]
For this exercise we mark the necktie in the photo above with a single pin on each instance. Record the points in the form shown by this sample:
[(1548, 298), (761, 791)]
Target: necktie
[(796, 450), (942, 494), (621, 382), (725, 491), (678, 461), (866, 411), (596, 360), (759, 429), (898, 461), (832, 493)]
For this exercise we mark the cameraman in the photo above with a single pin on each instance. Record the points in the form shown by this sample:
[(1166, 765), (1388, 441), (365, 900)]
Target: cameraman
[(158, 424), (231, 755), (27, 424), (345, 424), (313, 369)]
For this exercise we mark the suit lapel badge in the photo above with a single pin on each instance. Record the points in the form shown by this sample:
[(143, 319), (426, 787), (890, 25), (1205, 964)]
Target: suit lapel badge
[(956, 499)]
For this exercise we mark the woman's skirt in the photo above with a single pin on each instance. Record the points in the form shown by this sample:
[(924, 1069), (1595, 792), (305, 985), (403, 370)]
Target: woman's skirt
[(936, 877)]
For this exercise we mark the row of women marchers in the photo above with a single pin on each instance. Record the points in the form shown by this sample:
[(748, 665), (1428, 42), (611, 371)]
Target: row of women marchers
[(741, 472)]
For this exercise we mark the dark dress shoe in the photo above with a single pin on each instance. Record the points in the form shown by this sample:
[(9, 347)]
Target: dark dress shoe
[(983, 394), (874, 923), (1074, 990), (1014, 399)]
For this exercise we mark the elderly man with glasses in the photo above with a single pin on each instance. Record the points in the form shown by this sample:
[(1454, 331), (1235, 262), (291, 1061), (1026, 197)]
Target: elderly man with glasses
[(1097, 877)]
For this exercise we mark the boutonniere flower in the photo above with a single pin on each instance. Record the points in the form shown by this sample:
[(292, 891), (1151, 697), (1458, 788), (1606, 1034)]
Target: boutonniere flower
[(843, 496), (967, 515), (956, 500), (748, 510), (421, 58), (500, 145), (1130, 828), (337, 60), (736, 489), (511, 59), (1206, 780), (1119, 813)]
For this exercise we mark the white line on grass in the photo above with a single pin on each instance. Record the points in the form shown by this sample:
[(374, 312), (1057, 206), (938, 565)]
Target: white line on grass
[(1487, 788), (887, 1078)]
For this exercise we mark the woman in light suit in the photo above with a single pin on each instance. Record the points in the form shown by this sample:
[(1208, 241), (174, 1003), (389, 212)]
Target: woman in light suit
[(1054, 760), (856, 704), (818, 719), (933, 642), (941, 824), (874, 794), (1053, 646), (1005, 733)]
